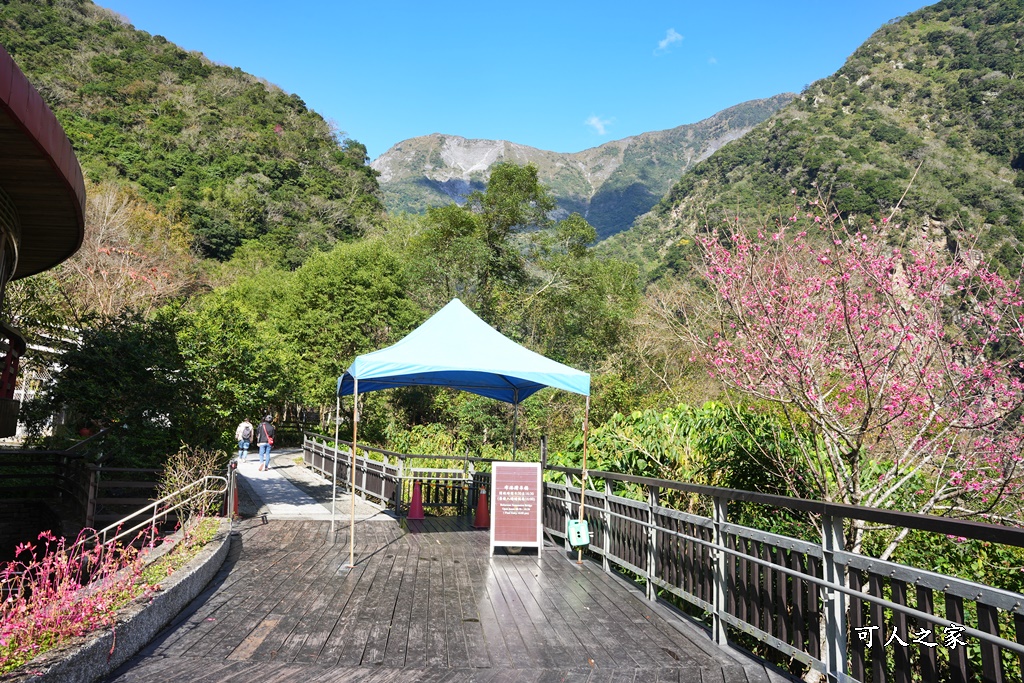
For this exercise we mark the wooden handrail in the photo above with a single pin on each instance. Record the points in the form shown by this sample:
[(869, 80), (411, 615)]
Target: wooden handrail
[(933, 523), (402, 456), (943, 525), (812, 602)]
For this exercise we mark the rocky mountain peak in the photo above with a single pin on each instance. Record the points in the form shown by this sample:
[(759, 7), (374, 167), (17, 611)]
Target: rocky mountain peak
[(610, 184)]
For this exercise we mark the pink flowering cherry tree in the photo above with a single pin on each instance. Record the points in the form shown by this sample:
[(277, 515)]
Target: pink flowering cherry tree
[(903, 366)]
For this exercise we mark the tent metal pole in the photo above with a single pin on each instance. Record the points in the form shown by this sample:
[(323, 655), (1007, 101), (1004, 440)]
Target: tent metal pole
[(515, 416), (334, 473), (352, 478), (583, 480)]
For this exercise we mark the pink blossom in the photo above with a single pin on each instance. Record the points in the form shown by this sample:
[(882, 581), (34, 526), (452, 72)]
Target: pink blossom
[(899, 352)]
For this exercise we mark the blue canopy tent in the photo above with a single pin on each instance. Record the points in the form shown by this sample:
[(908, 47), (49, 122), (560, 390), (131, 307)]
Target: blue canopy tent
[(456, 349)]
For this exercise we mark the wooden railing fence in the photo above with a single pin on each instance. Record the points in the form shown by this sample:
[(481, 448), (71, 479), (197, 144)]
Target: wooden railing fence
[(77, 481), (849, 616), (390, 479), (117, 491)]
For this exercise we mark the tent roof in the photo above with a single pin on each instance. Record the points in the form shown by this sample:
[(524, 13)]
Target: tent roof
[(455, 348)]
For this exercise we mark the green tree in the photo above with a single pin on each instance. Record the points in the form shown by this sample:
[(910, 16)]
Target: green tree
[(448, 257), (713, 444), (345, 302), (231, 157), (514, 200), (577, 306), (125, 374), (238, 358), (476, 251)]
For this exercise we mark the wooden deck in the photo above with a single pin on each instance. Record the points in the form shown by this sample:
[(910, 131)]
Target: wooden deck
[(424, 603)]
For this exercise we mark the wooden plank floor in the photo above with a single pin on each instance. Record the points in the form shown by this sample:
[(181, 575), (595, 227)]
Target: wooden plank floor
[(424, 603)]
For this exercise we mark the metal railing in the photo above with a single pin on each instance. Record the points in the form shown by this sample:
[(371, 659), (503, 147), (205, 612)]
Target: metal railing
[(389, 480), (201, 492), (849, 616)]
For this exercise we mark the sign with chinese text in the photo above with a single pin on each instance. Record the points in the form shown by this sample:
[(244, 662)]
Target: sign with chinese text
[(516, 491)]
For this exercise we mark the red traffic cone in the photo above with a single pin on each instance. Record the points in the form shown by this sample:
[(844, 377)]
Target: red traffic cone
[(483, 518), (416, 506)]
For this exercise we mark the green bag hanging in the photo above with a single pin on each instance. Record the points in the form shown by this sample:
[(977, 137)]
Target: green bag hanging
[(578, 533)]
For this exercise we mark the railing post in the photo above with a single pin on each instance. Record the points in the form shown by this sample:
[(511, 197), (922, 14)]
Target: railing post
[(231, 506), (835, 601), (362, 488), (225, 505), (653, 495), (93, 493), (152, 529), (606, 517), (720, 557), (207, 497), (463, 493), (400, 486), (471, 489)]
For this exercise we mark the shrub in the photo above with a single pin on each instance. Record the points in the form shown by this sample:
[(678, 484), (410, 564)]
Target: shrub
[(186, 466), (55, 592)]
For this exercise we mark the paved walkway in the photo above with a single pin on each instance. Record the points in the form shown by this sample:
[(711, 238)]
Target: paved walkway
[(423, 602), (290, 490)]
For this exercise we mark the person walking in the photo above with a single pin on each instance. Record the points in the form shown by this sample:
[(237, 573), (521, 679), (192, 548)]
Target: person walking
[(265, 439), (243, 435)]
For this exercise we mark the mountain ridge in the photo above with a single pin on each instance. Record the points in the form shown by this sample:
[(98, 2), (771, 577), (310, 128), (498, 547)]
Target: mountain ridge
[(610, 184)]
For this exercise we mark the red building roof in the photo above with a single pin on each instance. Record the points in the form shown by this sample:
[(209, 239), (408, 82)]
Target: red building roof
[(39, 172)]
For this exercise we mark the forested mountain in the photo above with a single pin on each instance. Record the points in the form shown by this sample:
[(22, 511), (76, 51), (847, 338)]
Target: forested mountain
[(609, 185), (231, 156), (931, 105), (237, 256)]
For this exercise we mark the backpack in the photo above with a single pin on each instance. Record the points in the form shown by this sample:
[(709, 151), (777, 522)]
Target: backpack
[(246, 432)]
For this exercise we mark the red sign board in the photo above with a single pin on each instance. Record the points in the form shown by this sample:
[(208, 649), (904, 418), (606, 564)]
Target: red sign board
[(516, 491)]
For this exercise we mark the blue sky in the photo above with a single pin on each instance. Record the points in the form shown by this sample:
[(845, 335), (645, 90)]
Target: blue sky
[(559, 75)]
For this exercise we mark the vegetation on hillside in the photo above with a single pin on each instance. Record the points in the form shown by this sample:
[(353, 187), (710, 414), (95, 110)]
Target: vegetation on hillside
[(166, 370), (236, 260), (232, 158), (923, 120)]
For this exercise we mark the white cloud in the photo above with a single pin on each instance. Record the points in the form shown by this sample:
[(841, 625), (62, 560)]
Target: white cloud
[(598, 124), (712, 60), (671, 37)]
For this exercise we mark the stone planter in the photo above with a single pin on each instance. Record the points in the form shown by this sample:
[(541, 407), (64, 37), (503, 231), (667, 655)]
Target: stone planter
[(87, 659)]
